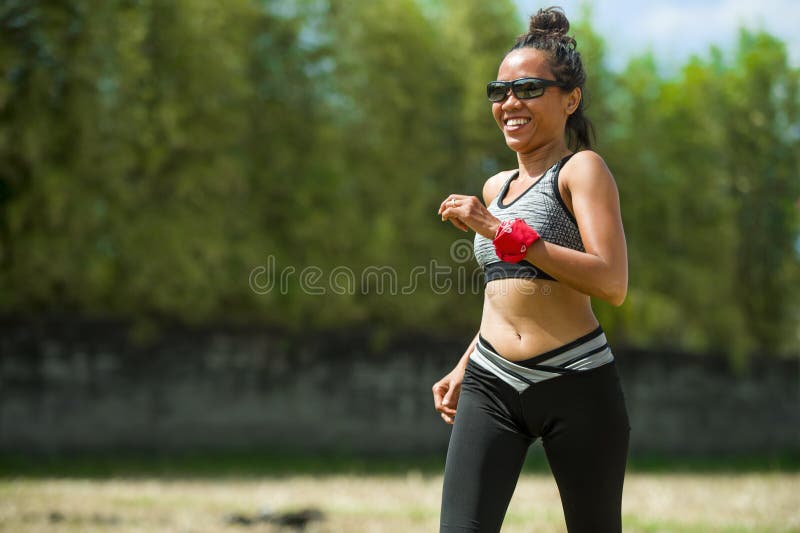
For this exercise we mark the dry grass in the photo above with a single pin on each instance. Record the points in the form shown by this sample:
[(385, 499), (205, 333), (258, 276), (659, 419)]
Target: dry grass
[(765, 502)]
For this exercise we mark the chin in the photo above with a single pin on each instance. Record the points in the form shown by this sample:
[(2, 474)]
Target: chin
[(517, 145)]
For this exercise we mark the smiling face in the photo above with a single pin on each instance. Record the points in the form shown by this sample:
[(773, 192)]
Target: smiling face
[(532, 123)]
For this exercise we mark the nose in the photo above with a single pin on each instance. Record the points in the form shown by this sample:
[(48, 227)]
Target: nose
[(511, 101)]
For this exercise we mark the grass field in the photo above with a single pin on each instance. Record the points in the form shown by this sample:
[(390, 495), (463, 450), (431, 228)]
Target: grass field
[(389, 503)]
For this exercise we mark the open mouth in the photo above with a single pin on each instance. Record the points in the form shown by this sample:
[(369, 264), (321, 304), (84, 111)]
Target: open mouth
[(516, 122)]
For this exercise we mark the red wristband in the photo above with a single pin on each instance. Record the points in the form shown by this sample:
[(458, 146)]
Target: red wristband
[(512, 240)]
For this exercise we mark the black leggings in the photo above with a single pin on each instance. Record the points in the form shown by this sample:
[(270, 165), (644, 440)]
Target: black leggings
[(582, 420)]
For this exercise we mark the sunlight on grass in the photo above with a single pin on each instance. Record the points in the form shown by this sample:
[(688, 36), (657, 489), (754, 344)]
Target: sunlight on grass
[(653, 503)]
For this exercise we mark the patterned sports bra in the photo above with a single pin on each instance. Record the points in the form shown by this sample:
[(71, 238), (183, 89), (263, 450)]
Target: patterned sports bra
[(542, 207)]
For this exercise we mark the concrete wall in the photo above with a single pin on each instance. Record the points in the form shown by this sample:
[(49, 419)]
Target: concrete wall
[(84, 386)]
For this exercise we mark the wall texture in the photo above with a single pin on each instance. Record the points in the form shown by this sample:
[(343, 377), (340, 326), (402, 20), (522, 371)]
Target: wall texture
[(72, 385)]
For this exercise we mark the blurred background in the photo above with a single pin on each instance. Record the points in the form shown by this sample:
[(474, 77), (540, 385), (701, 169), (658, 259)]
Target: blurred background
[(218, 229)]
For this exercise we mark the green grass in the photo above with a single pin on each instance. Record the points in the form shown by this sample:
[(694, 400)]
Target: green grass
[(252, 464), (673, 526), (395, 503), (248, 464)]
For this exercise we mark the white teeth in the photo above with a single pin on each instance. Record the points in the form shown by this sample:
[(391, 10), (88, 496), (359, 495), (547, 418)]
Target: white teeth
[(517, 121)]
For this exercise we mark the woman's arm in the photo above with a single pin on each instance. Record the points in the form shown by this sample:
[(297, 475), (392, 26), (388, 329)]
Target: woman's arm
[(602, 271), (447, 390), (462, 363)]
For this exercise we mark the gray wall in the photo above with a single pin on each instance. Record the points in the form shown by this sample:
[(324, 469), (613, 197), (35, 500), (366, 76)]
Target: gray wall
[(68, 385)]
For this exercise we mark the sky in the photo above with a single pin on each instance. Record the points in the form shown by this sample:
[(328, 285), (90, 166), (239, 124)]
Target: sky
[(676, 29)]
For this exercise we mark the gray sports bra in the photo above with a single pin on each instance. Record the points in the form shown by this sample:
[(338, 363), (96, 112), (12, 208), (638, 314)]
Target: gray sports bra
[(542, 207)]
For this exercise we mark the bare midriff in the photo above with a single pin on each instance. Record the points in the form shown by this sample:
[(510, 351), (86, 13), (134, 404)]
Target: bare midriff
[(523, 318)]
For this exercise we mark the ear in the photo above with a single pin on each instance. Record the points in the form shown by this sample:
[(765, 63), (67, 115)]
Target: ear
[(573, 100)]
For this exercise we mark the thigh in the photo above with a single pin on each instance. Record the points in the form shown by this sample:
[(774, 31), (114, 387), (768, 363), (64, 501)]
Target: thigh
[(587, 447), (484, 457)]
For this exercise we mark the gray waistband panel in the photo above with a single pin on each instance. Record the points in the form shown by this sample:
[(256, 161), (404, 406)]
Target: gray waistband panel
[(511, 379), (590, 354), (576, 352)]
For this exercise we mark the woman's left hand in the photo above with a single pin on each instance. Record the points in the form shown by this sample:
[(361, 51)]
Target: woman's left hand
[(468, 212)]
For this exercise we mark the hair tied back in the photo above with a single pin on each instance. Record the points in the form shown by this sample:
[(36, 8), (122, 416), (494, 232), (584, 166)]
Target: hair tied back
[(547, 32), (549, 22)]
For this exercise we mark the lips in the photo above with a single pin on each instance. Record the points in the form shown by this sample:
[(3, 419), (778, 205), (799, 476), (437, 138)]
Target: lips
[(515, 123)]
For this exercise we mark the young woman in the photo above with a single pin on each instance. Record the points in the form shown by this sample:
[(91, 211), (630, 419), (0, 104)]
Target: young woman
[(548, 237)]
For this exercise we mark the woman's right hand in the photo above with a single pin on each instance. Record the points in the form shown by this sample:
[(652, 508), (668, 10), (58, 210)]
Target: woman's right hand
[(446, 392)]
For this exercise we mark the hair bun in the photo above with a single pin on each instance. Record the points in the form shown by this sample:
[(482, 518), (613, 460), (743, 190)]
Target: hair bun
[(549, 22)]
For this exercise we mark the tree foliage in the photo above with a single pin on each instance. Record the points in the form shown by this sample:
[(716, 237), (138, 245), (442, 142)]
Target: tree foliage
[(154, 155)]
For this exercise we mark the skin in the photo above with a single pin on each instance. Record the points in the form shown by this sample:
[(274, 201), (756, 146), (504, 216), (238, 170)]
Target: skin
[(524, 318)]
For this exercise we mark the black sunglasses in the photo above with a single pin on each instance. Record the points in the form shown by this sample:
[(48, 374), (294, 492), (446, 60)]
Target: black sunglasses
[(523, 88)]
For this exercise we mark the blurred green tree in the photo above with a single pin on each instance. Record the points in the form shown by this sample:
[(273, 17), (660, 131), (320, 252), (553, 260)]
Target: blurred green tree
[(152, 155)]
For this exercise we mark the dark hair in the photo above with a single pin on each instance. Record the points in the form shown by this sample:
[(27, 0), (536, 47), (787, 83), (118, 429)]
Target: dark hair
[(548, 32)]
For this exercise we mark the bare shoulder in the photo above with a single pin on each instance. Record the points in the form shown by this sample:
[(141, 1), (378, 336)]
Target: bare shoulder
[(493, 185), (586, 169)]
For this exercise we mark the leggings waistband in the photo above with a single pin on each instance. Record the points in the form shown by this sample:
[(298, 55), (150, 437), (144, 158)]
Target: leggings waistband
[(584, 353)]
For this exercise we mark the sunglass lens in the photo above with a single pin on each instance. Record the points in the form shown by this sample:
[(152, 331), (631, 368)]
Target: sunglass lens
[(528, 89), (496, 91)]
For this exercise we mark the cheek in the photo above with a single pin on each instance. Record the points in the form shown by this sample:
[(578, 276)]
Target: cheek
[(497, 113), (546, 107)]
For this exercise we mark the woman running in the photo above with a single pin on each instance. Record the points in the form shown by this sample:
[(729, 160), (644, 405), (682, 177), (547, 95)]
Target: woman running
[(540, 367)]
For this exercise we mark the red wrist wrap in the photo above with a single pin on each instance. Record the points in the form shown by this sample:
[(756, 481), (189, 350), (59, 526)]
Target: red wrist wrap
[(512, 240)]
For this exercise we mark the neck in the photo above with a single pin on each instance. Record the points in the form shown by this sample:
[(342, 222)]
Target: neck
[(536, 163)]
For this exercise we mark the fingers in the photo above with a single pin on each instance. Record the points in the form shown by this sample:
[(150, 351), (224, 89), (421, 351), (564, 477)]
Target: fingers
[(442, 399), (438, 392), (449, 211), (441, 402), (453, 200), (447, 410), (450, 401), (447, 401), (454, 208)]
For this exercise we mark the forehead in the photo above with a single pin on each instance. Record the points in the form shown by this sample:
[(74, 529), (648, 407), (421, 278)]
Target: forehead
[(524, 62)]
